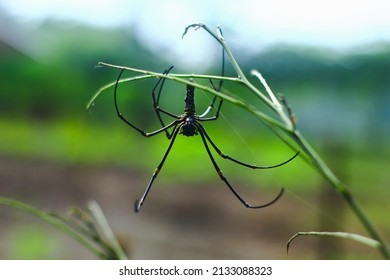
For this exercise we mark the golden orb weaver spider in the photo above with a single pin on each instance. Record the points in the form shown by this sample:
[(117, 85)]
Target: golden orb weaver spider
[(189, 124)]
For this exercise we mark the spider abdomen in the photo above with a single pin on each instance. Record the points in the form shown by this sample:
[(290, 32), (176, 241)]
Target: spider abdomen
[(188, 127)]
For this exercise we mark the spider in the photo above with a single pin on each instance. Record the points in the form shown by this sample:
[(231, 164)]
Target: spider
[(189, 124)]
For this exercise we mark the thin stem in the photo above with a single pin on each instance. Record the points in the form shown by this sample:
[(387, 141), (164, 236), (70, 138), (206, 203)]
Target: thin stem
[(241, 76), (290, 130), (351, 236), (54, 222), (91, 101), (276, 104), (327, 173), (285, 130), (150, 74), (103, 225), (219, 37), (180, 79)]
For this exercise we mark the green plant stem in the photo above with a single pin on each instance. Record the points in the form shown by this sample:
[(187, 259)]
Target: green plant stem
[(54, 222), (290, 130), (180, 78), (240, 74), (285, 128), (351, 236), (327, 173), (103, 225)]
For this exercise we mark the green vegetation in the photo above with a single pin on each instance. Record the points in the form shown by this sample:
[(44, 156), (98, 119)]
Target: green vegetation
[(339, 98), (284, 125), (90, 229), (49, 97)]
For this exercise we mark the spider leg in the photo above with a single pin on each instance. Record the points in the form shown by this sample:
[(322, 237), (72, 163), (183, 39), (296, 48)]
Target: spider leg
[(241, 162), (202, 117), (143, 133), (138, 203), (223, 178), (156, 101), (210, 107)]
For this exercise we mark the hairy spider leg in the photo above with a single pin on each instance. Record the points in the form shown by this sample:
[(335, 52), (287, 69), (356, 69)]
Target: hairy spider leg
[(223, 178)]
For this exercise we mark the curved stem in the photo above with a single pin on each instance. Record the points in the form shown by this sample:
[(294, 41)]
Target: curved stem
[(151, 74), (179, 78), (285, 129), (327, 173), (272, 102), (54, 222), (316, 161), (107, 232), (351, 236)]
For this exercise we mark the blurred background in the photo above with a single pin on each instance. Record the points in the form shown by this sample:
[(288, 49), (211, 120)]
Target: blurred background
[(331, 60)]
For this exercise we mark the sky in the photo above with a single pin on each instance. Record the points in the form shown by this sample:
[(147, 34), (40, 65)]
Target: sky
[(248, 24)]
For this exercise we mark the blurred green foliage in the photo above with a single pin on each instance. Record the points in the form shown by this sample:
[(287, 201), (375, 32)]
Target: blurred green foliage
[(338, 97), (31, 241)]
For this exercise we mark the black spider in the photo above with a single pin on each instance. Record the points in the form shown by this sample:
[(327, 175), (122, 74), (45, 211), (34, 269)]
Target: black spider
[(189, 124)]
